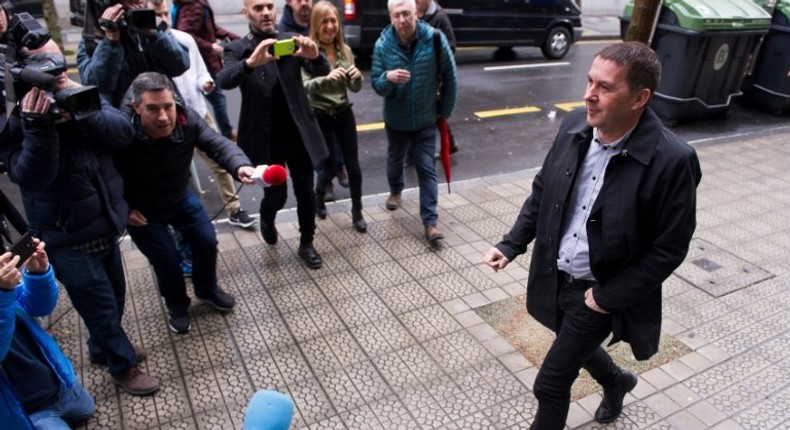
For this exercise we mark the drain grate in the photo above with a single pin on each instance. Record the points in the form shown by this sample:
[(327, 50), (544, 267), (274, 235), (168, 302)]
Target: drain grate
[(716, 271)]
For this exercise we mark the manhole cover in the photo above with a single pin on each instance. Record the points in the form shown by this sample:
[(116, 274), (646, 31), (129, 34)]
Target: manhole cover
[(716, 271)]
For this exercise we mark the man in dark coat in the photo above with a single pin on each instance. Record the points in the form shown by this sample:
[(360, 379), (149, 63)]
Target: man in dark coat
[(276, 123), (612, 212), (73, 198), (156, 173), (296, 17)]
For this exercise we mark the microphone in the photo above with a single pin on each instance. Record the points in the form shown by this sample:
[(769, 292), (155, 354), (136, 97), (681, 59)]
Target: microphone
[(269, 410), (270, 175)]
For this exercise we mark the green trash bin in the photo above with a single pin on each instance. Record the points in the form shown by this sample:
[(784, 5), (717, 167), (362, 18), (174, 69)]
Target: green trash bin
[(768, 87), (705, 48)]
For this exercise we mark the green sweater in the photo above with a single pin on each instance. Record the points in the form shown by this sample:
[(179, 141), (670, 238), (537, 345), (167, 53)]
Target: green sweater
[(327, 95)]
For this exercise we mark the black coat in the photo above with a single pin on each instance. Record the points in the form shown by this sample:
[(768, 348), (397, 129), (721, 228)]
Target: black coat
[(71, 190), (256, 87), (156, 172), (639, 227)]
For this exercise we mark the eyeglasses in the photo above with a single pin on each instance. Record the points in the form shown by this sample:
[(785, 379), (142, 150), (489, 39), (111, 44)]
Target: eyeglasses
[(405, 14)]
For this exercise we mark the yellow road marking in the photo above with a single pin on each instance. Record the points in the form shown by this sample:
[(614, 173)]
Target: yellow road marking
[(567, 107), (371, 126), (503, 112)]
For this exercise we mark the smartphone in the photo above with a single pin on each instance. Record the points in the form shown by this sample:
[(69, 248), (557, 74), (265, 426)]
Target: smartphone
[(281, 48), (24, 248)]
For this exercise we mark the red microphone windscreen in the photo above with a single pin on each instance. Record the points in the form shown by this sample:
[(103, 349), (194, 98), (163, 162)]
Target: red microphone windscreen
[(275, 175)]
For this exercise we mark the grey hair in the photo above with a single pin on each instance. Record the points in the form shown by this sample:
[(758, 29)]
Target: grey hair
[(156, 2), (393, 3), (150, 81)]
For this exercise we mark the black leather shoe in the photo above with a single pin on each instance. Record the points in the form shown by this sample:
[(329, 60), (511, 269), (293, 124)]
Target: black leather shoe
[(268, 231), (310, 256), (612, 404), (320, 206), (359, 223)]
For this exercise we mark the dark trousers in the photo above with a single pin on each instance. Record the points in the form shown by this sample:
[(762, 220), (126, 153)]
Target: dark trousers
[(219, 104), (340, 131), (155, 242), (288, 150), (93, 277), (577, 346)]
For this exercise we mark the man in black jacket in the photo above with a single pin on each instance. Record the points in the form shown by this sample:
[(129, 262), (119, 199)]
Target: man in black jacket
[(73, 198), (296, 17), (156, 174), (277, 124), (612, 212)]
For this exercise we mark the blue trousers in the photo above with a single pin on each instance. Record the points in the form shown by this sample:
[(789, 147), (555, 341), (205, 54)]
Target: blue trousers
[(94, 279), (155, 242), (421, 145), (74, 405)]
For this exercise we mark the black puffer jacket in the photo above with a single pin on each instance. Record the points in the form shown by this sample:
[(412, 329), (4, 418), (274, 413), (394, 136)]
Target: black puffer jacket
[(71, 190), (156, 171)]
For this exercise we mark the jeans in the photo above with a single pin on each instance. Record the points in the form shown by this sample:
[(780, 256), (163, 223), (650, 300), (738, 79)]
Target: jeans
[(340, 132), (219, 104), (421, 145), (74, 406), (577, 346), (94, 279), (155, 242)]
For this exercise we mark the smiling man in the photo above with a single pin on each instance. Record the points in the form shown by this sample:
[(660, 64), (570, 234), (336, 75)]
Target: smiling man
[(156, 174), (612, 212)]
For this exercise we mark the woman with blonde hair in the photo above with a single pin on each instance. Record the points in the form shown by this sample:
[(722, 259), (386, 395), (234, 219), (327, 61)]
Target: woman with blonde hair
[(329, 98)]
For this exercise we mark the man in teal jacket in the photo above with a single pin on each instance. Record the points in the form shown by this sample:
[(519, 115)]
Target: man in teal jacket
[(38, 388), (407, 72)]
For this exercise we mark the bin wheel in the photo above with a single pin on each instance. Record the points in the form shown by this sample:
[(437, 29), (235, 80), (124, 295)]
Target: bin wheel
[(557, 43)]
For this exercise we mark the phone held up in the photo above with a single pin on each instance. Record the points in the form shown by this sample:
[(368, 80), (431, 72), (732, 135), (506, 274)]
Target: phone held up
[(284, 47), (24, 248)]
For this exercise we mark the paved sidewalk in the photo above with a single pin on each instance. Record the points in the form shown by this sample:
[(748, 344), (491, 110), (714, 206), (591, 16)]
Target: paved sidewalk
[(385, 336)]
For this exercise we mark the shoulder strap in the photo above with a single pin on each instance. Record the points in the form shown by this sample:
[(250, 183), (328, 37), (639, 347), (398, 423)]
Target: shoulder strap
[(437, 49)]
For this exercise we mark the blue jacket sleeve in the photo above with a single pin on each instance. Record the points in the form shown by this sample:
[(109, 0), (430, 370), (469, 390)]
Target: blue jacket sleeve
[(32, 153), (378, 71), (108, 126), (171, 57), (449, 80), (102, 68), (36, 294)]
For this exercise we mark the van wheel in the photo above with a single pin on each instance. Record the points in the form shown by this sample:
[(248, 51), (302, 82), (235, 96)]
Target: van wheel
[(557, 43)]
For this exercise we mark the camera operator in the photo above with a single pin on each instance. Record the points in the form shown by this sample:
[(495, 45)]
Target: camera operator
[(124, 50), (73, 199)]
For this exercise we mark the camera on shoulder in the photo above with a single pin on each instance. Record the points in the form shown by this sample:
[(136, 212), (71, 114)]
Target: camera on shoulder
[(24, 71)]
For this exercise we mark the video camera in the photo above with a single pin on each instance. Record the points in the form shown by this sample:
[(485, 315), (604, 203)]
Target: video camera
[(132, 19), (24, 71)]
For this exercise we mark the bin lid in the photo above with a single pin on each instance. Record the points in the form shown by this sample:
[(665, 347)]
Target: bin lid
[(714, 15), (782, 6)]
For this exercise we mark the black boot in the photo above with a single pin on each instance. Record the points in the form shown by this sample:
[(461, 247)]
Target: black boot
[(359, 223), (320, 206)]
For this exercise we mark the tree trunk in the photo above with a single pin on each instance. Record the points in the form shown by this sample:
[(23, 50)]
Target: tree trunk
[(53, 25), (641, 27)]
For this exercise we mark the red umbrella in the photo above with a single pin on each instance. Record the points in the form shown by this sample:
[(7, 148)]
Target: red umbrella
[(444, 138)]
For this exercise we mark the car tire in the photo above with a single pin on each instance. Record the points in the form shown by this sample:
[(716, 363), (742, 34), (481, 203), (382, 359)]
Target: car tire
[(557, 43)]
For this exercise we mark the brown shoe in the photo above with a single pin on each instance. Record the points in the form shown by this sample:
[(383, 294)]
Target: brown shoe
[(433, 234), (135, 382), (139, 351), (393, 201)]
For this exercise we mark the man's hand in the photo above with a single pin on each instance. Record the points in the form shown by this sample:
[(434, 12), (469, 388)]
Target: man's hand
[(137, 219), (245, 175), (260, 55), (38, 262), (9, 274), (589, 300), (218, 49), (399, 76), (495, 259), (305, 47), (35, 102), (112, 14), (208, 87)]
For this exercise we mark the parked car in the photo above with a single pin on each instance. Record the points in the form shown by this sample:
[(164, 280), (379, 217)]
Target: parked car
[(552, 25)]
